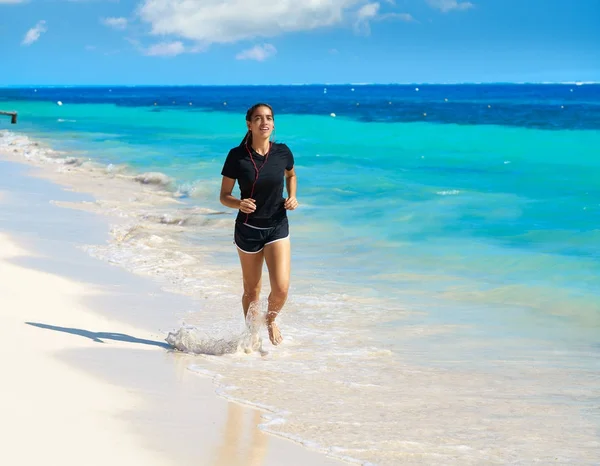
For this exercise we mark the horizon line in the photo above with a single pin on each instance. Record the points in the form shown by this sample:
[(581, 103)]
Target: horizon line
[(425, 83)]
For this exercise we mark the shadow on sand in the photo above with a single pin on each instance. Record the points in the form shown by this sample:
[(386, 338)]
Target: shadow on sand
[(99, 336)]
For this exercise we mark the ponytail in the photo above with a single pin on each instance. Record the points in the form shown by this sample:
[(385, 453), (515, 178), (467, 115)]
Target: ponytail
[(247, 139)]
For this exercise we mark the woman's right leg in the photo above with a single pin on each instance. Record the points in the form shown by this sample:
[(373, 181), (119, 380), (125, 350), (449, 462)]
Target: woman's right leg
[(252, 265)]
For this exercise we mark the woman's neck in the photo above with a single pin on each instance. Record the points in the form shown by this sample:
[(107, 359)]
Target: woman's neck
[(261, 146)]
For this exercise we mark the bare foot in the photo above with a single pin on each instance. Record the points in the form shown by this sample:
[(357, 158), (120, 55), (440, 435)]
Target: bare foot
[(274, 333)]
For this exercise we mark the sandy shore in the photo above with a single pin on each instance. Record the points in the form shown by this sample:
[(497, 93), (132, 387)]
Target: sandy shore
[(83, 381), (51, 412)]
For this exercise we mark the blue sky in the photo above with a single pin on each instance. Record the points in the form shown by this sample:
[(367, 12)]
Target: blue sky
[(297, 41)]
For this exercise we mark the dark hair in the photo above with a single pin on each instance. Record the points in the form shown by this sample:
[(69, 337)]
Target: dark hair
[(248, 137)]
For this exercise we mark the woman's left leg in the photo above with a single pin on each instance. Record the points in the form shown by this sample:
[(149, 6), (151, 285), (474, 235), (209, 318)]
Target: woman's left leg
[(278, 259)]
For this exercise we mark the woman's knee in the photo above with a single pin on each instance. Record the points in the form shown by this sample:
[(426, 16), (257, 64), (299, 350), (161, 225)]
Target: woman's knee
[(279, 292), (252, 290)]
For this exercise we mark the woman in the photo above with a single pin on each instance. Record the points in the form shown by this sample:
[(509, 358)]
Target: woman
[(261, 227)]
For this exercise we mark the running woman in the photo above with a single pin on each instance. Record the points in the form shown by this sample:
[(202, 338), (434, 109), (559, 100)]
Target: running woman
[(261, 229)]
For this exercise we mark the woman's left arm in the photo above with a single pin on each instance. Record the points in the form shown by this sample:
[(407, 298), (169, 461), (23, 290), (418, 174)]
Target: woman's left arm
[(291, 183)]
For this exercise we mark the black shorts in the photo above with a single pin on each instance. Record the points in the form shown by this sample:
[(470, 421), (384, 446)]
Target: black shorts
[(252, 239)]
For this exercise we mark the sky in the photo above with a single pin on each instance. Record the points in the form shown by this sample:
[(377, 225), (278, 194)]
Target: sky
[(231, 42)]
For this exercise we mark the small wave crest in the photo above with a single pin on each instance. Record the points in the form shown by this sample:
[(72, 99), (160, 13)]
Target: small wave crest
[(199, 189), (75, 161), (28, 148), (167, 218), (153, 178), (450, 192), (112, 168), (189, 216)]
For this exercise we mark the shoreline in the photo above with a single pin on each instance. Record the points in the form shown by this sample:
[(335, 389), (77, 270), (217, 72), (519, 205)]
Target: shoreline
[(70, 350)]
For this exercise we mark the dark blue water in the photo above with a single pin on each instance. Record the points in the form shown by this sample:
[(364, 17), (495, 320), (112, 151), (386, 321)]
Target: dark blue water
[(547, 106)]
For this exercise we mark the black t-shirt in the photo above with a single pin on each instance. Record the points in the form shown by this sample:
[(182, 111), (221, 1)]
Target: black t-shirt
[(268, 189)]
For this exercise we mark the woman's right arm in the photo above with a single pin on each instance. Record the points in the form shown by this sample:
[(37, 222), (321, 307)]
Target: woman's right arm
[(246, 205)]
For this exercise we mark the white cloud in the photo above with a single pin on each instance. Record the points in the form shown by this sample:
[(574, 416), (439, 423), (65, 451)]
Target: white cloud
[(165, 49), (406, 17), (370, 12), (200, 23), (364, 14), (34, 33), (115, 23), (228, 21), (258, 53), (448, 5)]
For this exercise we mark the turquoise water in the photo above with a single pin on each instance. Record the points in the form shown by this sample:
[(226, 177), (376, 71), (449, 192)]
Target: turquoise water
[(448, 244), (483, 208)]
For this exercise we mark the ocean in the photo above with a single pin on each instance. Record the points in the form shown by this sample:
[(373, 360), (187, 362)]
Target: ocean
[(445, 296)]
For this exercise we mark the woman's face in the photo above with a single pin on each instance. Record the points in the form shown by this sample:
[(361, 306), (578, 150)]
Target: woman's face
[(261, 123)]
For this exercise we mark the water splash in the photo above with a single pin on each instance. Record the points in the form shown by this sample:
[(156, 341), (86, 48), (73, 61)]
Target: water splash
[(191, 339)]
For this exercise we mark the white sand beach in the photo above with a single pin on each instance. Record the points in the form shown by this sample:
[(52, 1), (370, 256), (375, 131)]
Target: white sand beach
[(51, 411), (82, 384)]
